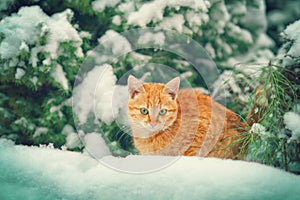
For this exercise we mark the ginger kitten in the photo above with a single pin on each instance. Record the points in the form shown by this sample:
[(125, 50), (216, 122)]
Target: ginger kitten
[(167, 121)]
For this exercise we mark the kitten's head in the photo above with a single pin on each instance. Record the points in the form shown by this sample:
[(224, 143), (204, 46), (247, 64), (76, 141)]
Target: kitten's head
[(152, 106)]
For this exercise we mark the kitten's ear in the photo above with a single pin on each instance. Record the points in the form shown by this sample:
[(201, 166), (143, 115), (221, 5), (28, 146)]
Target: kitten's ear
[(134, 86), (172, 87)]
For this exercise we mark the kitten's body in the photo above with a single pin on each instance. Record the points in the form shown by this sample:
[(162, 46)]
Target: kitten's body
[(194, 125)]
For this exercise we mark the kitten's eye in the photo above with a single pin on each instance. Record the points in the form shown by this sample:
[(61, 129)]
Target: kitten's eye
[(144, 111), (162, 111)]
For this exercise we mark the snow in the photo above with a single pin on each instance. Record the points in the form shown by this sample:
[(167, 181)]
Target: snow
[(153, 38), (226, 82), (151, 11), (220, 17), (258, 129), (293, 33), (239, 33), (116, 42), (108, 104), (253, 70), (194, 19), (95, 145), (21, 121), (26, 27), (210, 49), (99, 95), (39, 131), (60, 76), (100, 5), (47, 173), (72, 140), (127, 7), (19, 73), (255, 17), (292, 122), (154, 12), (175, 22), (259, 53), (225, 48), (62, 31), (117, 20), (239, 8), (84, 94), (34, 80), (58, 108), (85, 34), (24, 46)]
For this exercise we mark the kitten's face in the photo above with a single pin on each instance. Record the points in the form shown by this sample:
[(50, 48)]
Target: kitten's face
[(152, 107)]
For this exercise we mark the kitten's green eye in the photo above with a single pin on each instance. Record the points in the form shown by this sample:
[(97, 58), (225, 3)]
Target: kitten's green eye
[(144, 111), (162, 111)]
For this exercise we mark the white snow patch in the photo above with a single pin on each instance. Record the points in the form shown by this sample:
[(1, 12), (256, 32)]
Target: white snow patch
[(239, 34), (211, 50), (173, 22), (224, 82), (39, 131), (99, 95), (85, 95), (24, 123), (67, 129), (238, 8), (154, 11), (293, 33), (155, 38), (30, 24), (73, 140), (20, 73), (100, 5), (23, 46), (150, 11), (196, 20), (225, 48), (220, 16), (34, 80), (255, 17), (117, 20), (55, 174), (62, 31), (253, 70), (127, 7), (95, 145), (292, 122), (141, 57), (116, 42), (58, 107), (258, 129), (60, 76), (47, 61), (110, 102), (264, 40)]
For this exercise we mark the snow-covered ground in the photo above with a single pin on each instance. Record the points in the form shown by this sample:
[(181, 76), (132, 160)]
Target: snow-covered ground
[(47, 173)]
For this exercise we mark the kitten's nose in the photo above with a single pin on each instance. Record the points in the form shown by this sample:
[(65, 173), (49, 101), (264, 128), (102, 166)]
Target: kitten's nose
[(153, 123)]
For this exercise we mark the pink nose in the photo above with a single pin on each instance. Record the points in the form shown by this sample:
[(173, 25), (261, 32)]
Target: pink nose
[(153, 123)]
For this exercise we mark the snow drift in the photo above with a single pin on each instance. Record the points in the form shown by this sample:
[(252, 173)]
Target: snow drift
[(46, 173)]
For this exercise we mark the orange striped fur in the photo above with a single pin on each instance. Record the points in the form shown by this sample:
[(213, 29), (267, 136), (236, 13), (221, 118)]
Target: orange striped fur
[(194, 124)]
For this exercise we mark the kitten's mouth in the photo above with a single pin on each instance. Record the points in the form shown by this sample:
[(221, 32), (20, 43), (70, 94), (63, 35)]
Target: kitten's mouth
[(154, 129), (145, 135)]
